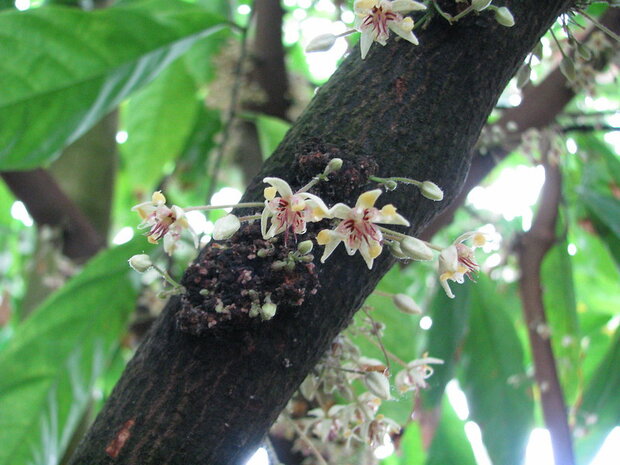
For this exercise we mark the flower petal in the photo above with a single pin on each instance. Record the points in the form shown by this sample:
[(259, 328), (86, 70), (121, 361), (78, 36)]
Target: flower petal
[(283, 188), (330, 240), (264, 217), (446, 287), (405, 6), (403, 29), (368, 198), (388, 215), (340, 210), (448, 260), (366, 39)]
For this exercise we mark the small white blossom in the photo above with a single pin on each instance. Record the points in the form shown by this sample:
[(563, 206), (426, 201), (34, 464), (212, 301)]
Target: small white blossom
[(375, 18), (165, 222), (457, 260), (416, 373), (290, 211), (358, 229)]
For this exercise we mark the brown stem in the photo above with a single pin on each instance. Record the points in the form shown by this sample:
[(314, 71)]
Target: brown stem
[(531, 250), (48, 205)]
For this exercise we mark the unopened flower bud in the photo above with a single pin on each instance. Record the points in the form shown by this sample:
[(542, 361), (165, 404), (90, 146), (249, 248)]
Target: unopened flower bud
[(504, 17), (567, 67), (480, 5), (321, 43), (141, 262), (305, 247), (268, 310), (225, 227), (309, 387), (334, 165), (378, 384), (396, 250), (584, 52), (416, 249), (431, 191), (406, 304)]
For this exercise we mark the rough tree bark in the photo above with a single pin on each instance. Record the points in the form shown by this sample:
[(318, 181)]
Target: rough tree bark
[(194, 395)]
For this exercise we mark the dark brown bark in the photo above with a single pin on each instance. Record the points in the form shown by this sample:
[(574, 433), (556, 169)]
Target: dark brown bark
[(408, 111), (268, 56), (49, 205), (532, 249)]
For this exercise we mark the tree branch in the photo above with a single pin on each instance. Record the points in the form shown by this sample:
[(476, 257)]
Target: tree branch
[(203, 388), (48, 205), (539, 108), (531, 250)]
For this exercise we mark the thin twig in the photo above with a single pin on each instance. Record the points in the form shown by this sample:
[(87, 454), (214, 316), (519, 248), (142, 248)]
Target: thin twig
[(306, 439)]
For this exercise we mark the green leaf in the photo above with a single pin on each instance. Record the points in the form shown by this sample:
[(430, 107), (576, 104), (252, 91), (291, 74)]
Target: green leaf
[(561, 311), (450, 444), (191, 166), (600, 410), (492, 362), (605, 214), (158, 120), (450, 318), (62, 69), (51, 362), (271, 131)]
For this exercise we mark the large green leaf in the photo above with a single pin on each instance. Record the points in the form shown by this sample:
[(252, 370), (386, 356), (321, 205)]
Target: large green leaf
[(600, 410), (493, 379), (158, 120), (62, 69), (271, 131), (561, 311), (51, 362), (604, 211), (450, 444), (450, 318)]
